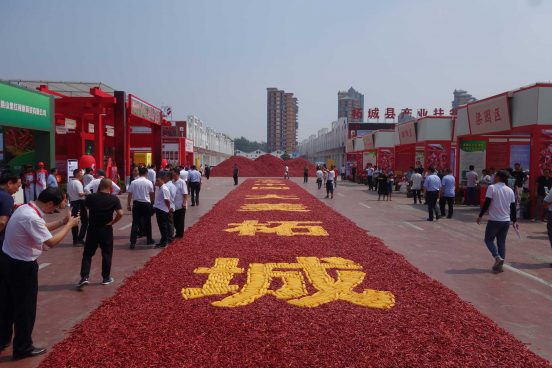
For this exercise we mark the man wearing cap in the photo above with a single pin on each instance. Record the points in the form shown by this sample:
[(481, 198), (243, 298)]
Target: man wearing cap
[(41, 175), (92, 187)]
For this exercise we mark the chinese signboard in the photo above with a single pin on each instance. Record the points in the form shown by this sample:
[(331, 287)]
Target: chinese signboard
[(189, 145), (24, 108), (491, 115), (368, 141), (144, 110), (376, 113), (407, 132), (472, 153)]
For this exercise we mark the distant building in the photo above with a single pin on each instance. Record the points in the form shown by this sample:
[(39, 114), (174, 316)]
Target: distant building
[(350, 105), (281, 121), (461, 97)]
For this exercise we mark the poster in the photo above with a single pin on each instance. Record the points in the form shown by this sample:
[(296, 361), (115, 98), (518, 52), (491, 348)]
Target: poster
[(545, 151), (419, 159), (437, 155), (385, 159), (369, 158), (19, 147), (71, 165), (472, 153), (520, 154)]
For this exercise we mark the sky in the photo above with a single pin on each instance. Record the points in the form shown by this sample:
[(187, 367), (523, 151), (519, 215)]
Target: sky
[(215, 59)]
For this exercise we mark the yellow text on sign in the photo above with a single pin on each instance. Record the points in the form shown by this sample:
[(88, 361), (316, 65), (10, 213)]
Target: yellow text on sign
[(288, 207), (271, 196), (281, 228), (293, 287)]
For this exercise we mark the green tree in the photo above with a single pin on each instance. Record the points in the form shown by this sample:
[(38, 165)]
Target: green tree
[(285, 156), (245, 145)]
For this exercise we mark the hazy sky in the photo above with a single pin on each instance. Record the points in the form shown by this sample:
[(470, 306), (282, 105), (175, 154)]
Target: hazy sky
[(215, 59)]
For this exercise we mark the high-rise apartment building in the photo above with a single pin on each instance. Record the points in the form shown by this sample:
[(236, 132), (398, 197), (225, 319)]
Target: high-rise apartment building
[(461, 97), (350, 105), (281, 120)]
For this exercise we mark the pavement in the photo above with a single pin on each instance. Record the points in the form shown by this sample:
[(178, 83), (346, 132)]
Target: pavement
[(449, 250), (452, 252), (61, 306)]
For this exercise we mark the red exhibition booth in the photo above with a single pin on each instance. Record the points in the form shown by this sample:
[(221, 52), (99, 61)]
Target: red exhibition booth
[(105, 126), (512, 127), (424, 142)]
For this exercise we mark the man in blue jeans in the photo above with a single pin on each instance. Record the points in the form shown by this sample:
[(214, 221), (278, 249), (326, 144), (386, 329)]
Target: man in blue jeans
[(500, 201)]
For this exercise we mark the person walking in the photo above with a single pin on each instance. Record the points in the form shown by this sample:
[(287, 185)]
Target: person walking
[(370, 176), (75, 192), (336, 172), (471, 187), (286, 172), (500, 201), (544, 183), (167, 178), (141, 196), (88, 177), (329, 183), (548, 199), (521, 177), (416, 186), (162, 207), (306, 174), (207, 171), (41, 175), (235, 173), (29, 184), (390, 185), (151, 174), (92, 187), (447, 193), (383, 189), (101, 205), (27, 235), (195, 185), (180, 203), (319, 177), (52, 182), (432, 185), (342, 172)]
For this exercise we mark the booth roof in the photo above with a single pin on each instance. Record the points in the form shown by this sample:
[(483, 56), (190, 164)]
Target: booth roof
[(71, 89)]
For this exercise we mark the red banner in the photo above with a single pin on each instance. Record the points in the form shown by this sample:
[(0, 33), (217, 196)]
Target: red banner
[(489, 115)]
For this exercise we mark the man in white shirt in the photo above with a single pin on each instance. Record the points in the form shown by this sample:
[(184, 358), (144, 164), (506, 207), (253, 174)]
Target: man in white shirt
[(471, 187), (27, 235), (416, 186), (184, 174), (88, 177), (432, 185), (162, 206), (167, 178), (319, 177), (330, 177), (92, 187), (75, 192), (141, 196), (286, 172), (194, 177), (500, 201), (151, 174), (370, 175), (180, 203)]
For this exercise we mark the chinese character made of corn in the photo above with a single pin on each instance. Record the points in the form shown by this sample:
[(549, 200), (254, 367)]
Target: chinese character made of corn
[(281, 228), (293, 287)]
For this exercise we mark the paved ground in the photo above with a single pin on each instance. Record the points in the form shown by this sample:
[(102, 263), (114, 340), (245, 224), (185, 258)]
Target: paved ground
[(60, 306), (451, 251)]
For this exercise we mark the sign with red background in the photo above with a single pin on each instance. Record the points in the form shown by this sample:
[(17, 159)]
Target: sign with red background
[(407, 132), (490, 115)]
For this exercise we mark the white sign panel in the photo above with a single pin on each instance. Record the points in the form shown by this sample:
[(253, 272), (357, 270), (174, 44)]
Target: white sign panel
[(71, 165), (70, 124)]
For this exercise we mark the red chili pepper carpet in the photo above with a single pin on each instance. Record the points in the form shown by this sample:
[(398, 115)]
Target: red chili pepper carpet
[(282, 280)]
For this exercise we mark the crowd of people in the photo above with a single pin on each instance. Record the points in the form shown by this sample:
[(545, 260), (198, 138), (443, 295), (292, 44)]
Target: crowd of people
[(95, 208), (327, 178)]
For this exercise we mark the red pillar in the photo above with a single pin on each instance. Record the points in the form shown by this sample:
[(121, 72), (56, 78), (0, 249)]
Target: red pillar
[(98, 141), (156, 145)]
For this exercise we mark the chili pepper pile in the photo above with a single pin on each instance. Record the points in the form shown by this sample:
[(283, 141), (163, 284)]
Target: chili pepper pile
[(263, 166), (353, 303)]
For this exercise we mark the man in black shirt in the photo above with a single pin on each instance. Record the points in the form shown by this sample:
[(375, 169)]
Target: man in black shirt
[(544, 183), (520, 177), (100, 230)]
